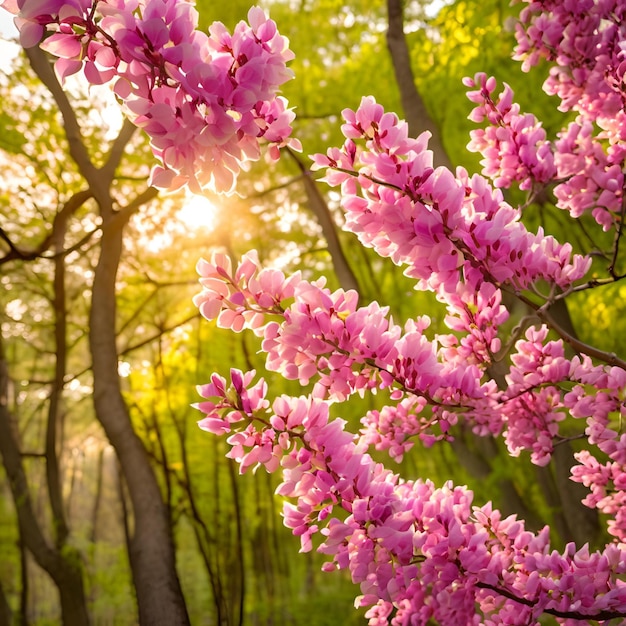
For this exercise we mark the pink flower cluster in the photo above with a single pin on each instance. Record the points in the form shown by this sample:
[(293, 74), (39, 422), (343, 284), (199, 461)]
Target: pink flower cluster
[(543, 387), (514, 146), (418, 553), (607, 483), (205, 100), (585, 40), (393, 427), (532, 405), (604, 414), (243, 298), (446, 229), (475, 317), (309, 332)]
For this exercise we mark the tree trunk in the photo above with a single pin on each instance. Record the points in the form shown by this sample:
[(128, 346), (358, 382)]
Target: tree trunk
[(62, 564), (6, 616), (152, 557), (415, 113)]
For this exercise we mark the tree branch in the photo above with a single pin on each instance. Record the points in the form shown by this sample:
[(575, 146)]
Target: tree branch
[(163, 331), (54, 426), (117, 149), (320, 209), (98, 183), (600, 616), (543, 313), (60, 219)]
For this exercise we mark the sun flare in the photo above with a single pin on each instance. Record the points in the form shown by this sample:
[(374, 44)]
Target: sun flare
[(198, 212)]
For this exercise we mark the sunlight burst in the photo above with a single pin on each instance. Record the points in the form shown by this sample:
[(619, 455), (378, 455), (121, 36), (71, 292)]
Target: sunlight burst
[(198, 212)]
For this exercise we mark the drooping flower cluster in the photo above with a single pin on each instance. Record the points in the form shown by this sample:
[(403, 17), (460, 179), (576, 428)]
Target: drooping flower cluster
[(585, 40), (205, 100), (418, 553)]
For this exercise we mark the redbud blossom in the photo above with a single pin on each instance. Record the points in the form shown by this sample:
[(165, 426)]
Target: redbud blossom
[(207, 101)]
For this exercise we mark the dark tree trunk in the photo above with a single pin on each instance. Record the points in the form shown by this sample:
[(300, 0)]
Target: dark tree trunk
[(159, 595), (6, 616), (21, 619), (62, 565)]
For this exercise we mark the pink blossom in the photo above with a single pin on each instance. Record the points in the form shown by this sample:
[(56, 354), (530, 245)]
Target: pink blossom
[(434, 223), (206, 101), (584, 40), (446, 558), (514, 146), (418, 553)]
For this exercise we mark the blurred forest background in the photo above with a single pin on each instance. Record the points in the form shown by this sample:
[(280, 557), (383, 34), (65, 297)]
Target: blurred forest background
[(101, 347)]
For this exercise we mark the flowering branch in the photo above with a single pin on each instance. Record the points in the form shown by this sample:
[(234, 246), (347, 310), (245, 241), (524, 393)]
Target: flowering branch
[(419, 553), (457, 237), (205, 100), (425, 551), (576, 615)]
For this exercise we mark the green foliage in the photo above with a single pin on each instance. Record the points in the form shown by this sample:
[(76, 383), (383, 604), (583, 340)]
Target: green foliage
[(11, 140), (599, 311), (109, 584)]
